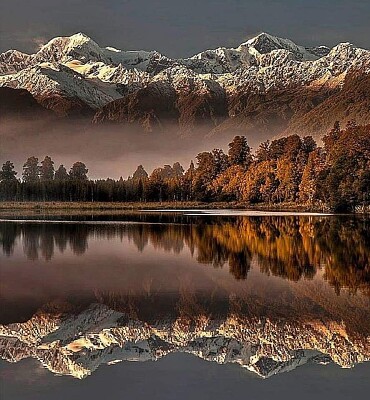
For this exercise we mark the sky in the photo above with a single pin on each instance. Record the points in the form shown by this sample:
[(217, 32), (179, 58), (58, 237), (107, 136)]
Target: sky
[(182, 28)]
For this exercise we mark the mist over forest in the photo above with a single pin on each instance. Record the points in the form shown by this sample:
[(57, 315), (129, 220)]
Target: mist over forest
[(108, 150)]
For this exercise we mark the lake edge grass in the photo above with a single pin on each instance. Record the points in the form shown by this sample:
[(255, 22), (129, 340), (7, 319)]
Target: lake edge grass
[(129, 206)]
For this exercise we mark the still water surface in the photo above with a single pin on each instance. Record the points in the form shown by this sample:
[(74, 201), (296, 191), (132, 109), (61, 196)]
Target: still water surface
[(255, 295)]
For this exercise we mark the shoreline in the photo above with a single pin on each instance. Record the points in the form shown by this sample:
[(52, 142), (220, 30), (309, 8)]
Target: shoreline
[(131, 206), (178, 205)]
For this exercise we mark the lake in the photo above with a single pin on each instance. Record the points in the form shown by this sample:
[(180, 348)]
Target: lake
[(179, 304)]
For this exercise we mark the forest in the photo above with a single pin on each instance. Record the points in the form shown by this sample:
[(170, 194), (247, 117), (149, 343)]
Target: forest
[(334, 176)]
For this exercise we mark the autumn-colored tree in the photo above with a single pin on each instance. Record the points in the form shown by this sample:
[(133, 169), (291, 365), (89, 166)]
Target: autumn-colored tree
[(239, 152), (227, 186), (209, 166), (178, 170), (139, 184), (310, 176), (259, 183), (157, 186), (175, 183), (220, 161), (291, 154), (291, 169), (332, 137), (263, 152), (289, 175), (308, 144), (345, 181), (204, 175), (188, 182)]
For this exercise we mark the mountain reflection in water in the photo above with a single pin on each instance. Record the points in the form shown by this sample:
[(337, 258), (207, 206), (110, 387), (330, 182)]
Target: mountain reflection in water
[(79, 294)]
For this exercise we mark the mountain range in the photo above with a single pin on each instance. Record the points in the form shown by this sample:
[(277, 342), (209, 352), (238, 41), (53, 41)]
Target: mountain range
[(77, 344), (265, 86)]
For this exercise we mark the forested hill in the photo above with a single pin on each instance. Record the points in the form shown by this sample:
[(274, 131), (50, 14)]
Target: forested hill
[(289, 169)]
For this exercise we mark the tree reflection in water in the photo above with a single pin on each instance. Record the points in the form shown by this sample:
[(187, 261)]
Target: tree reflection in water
[(291, 247)]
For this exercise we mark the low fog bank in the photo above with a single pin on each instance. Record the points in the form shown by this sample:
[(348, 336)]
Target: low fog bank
[(107, 150)]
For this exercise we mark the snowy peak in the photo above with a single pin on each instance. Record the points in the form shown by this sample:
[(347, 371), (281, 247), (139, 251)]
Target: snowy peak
[(249, 54), (12, 61), (68, 42), (84, 49), (346, 51), (62, 49), (265, 43), (221, 60), (77, 344), (78, 39), (212, 85)]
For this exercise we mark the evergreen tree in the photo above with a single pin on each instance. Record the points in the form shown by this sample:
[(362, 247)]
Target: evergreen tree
[(140, 173), (61, 173), (78, 171), (9, 185), (47, 169), (7, 173), (31, 170)]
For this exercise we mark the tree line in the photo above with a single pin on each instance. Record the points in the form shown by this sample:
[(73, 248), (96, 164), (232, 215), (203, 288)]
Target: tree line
[(289, 169)]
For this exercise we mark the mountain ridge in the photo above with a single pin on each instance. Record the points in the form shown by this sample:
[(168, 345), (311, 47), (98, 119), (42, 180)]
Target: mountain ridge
[(214, 90), (77, 344), (79, 45)]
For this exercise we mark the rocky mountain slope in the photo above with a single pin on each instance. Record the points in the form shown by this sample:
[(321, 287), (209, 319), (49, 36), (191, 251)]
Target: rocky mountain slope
[(77, 343), (265, 85), (19, 102)]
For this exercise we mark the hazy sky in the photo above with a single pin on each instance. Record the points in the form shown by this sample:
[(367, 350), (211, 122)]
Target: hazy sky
[(182, 28)]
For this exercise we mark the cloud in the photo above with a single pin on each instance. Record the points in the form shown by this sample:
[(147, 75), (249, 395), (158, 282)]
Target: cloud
[(39, 41)]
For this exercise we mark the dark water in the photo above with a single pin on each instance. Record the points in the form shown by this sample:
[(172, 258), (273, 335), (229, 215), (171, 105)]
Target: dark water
[(233, 296)]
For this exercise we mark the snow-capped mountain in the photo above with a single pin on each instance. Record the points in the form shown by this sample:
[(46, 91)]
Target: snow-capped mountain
[(248, 54), (224, 88), (176, 95), (82, 48), (13, 61), (49, 79), (76, 344)]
